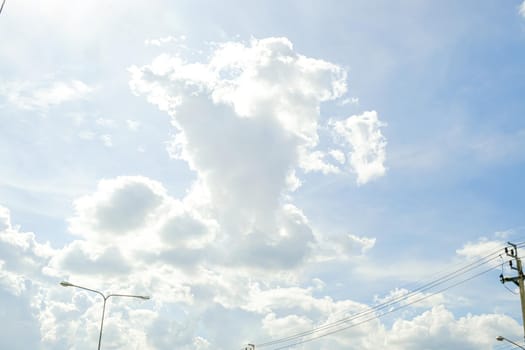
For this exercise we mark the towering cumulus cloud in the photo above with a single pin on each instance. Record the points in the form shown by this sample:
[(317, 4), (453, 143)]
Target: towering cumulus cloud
[(246, 120)]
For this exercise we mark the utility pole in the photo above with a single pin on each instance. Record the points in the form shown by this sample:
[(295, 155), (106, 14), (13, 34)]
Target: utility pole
[(512, 252)]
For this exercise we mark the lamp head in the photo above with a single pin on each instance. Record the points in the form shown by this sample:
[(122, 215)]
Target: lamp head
[(500, 338), (66, 284), (145, 297)]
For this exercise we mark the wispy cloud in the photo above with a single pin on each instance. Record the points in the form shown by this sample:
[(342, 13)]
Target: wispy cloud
[(43, 94)]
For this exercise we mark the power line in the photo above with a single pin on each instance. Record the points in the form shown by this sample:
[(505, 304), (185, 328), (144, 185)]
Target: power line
[(388, 303), (509, 345), (385, 313), (505, 347), (329, 328)]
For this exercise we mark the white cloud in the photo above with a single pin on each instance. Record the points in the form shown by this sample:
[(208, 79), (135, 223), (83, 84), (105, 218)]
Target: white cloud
[(45, 94), (361, 243), (338, 155), (20, 254), (350, 100), (107, 123), (270, 78), (86, 135), (165, 40), (264, 92), (315, 161), (363, 133), (22, 274), (5, 219), (119, 207), (404, 297), (133, 125), (106, 140), (87, 259), (439, 329), (260, 104), (222, 300), (343, 247), (278, 327), (292, 181), (480, 249), (129, 218), (522, 9)]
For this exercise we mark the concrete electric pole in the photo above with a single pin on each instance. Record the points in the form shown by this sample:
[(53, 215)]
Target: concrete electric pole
[(512, 251)]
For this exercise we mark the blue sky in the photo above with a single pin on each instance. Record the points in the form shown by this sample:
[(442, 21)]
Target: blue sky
[(259, 169)]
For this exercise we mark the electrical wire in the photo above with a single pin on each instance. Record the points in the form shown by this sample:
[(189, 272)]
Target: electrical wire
[(331, 328), (508, 346), (425, 281), (505, 347), (379, 307), (385, 313), (390, 302)]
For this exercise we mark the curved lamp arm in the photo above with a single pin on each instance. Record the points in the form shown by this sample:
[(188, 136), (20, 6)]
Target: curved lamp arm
[(500, 338), (67, 284)]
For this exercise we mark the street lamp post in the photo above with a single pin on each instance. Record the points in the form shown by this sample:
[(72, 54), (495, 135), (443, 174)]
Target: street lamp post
[(500, 338), (105, 297)]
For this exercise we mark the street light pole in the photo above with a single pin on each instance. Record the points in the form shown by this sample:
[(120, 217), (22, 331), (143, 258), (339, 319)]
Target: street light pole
[(500, 338), (105, 297)]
